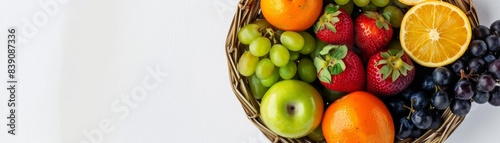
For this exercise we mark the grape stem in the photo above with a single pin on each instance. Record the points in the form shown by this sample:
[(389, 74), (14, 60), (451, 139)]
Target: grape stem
[(468, 76), (409, 108)]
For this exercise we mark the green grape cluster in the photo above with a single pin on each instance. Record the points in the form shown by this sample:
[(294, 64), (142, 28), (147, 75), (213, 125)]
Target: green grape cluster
[(274, 56)]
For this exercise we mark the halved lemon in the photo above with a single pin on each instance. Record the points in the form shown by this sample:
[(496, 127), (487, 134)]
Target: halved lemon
[(413, 2), (435, 33)]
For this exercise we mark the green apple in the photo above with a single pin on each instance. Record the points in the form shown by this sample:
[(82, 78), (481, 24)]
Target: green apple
[(292, 108)]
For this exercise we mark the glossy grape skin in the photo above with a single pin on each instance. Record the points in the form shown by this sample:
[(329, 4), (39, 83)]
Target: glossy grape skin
[(477, 65), (406, 94), (493, 43), (279, 55), (441, 76), (440, 100), (247, 64), (309, 43), (306, 70), (416, 133), (369, 7), (422, 119), (288, 71), (488, 58), (258, 90), (463, 90), (260, 46), (264, 68), (396, 15), (481, 97), (495, 97), (436, 120), (294, 55), (420, 101), (404, 128), (293, 41), (248, 33), (460, 107), (495, 27), (341, 2), (271, 80), (481, 32), (428, 84), (478, 48), (396, 107), (380, 3), (457, 66), (494, 68), (485, 83), (361, 3)]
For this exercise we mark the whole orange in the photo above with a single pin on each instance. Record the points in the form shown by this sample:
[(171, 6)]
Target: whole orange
[(291, 15), (358, 117)]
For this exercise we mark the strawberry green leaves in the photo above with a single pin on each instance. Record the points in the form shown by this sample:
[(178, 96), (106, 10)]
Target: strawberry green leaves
[(330, 62), (380, 20), (393, 65), (328, 19)]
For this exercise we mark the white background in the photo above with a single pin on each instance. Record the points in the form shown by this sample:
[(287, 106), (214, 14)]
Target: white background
[(87, 57)]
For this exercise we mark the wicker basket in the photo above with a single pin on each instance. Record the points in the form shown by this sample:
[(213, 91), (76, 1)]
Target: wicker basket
[(248, 11)]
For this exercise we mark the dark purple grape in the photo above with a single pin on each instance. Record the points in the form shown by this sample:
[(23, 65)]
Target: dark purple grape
[(481, 97), (494, 68), (396, 107), (428, 84), (485, 83), (404, 128), (478, 48), (463, 90), (481, 31), (495, 27), (441, 76), (440, 100), (489, 57), (495, 97), (477, 65), (419, 100), (460, 107), (416, 133), (465, 57), (493, 43), (457, 66), (422, 119), (407, 94), (436, 120)]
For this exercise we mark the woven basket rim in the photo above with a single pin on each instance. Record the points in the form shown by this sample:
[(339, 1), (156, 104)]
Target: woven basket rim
[(248, 10)]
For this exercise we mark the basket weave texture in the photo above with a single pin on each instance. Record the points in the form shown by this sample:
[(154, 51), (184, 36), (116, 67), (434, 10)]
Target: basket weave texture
[(248, 11)]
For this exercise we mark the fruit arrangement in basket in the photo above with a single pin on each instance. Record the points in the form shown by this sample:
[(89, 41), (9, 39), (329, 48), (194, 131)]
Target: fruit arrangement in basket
[(366, 70)]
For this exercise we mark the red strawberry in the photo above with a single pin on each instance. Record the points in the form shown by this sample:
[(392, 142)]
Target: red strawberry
[(373, 32), (335, 27), (389, 72), (340, 69)]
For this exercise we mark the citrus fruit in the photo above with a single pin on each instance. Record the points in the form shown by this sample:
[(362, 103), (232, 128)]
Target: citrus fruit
[(358, 117), (296, 15), (435, 33), (413, 2)]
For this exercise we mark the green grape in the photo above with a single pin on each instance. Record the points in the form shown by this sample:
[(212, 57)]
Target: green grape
[(309, 43), (341, 2), (369, 7), (348, 7), (248, 33), (395, 15), (262, 23), (292, 40), (279, 55), (399, 4), (271, 80), (319, 46), (294, 55), (264, 68), (260, 46), (258, 90), (380, 3), (247, 63), (361, 3), (288, 71), (306, 70)]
